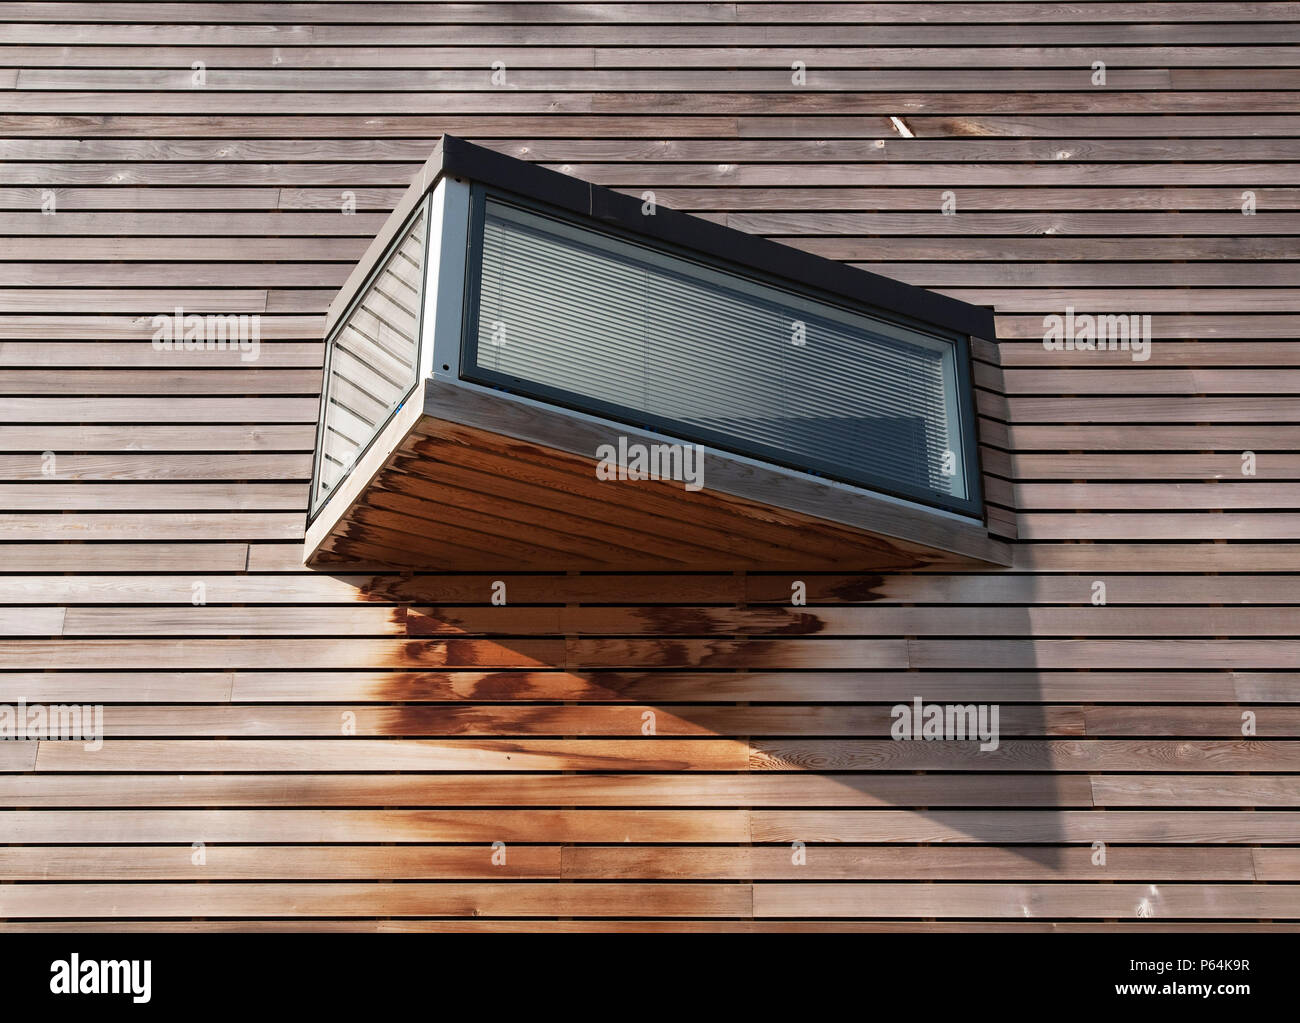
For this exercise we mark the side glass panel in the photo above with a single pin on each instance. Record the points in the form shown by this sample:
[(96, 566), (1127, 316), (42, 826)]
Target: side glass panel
[(581, 318), (372, 360)]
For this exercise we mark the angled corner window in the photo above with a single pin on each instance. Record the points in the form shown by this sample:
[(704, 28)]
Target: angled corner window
[(509, 326), (372, 359), (569, 312)]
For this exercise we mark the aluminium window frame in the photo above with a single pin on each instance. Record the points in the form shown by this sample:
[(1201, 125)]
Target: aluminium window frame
[(970, 506), (423, 208)]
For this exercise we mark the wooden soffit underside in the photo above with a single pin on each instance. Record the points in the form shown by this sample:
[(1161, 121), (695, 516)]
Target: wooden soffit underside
[(461, 481)]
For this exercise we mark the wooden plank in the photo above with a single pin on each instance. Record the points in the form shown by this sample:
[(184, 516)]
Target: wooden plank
[(287, 653), (24, 497), (122, 300), (776, 627), (849, 653), (970, 900), (1275, 864), (43, 327), (1031, 274), (1025, 100), (1014, 249), (1227, 466), (1020, 754), (481, 827), (145, 526), (629, 720), (1176, 526), (125, 224), (695, 32), (160, 381), (382, 126), (1272, 721), (205, 275), (346, 588), (1184, 409), (1196, 828), (1024, 589), (1184, 790), (141, 249), (261, 862), (1116, 653), (18, 755), (522, 590), (67, 354), (663, 754), (124, 557), (45, 409), (1150, 381), (1156, 496), (502, 898), (654, 13), (1189, 353), (399, 754), (223, 438), (31, 621), (89, 687), (1065, 126), (897, 198), (1098, 555), (1196, 326), (626, 80), (1166, 557), (1032, 686), (678, 789), (621, 863), (871, 863), (820, 56), (141, 467), (638, 925)]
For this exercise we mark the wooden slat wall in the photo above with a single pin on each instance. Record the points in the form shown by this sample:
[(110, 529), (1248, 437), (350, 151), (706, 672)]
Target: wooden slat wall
[(327, 735)]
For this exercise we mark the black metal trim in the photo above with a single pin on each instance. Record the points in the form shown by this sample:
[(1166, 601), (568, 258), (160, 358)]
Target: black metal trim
[(705, 238), (971, 506)]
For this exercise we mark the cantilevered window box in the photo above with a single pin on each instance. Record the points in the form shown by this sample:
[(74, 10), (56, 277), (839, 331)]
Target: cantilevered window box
[(527, 370)]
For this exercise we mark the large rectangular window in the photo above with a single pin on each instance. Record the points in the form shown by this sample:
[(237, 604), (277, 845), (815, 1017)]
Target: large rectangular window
[(645, 335)]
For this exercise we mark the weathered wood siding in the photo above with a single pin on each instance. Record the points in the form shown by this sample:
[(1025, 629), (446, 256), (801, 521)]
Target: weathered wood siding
[(182, 476)]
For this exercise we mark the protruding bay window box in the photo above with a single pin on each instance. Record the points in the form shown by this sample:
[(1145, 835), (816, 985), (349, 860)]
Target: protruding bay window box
[(530, 371)]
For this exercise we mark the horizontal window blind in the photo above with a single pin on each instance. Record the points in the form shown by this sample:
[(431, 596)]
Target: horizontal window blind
[(653, 339)]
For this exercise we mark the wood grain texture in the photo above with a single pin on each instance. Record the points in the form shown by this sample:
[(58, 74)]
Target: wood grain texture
[(649, 741), (471, 473)]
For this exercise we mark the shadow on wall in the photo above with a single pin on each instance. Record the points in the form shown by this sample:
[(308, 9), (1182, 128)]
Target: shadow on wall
[(711, 692)]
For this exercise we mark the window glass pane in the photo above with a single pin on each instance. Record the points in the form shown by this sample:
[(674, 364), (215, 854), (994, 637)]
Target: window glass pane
[(627, 331), (372, 362)]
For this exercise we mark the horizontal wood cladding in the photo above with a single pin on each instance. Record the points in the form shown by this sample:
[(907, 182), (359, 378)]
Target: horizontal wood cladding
[(327, 732)]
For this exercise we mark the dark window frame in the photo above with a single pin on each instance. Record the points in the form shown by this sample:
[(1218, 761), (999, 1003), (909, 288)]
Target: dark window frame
[(707, 255)]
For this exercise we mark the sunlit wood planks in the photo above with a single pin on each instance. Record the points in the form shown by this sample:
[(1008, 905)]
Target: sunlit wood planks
[(224, 718)]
